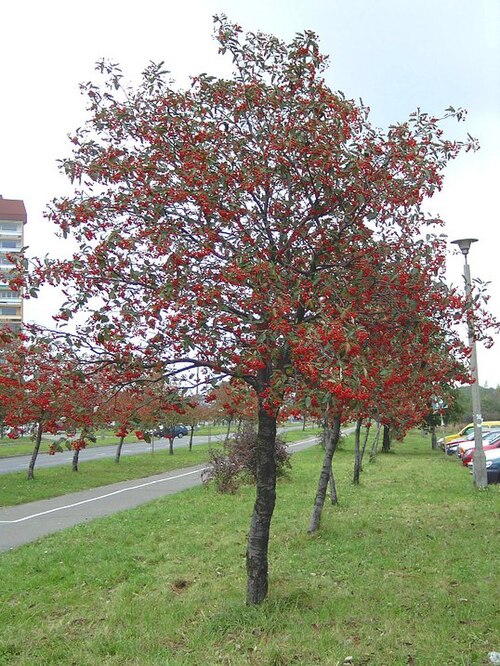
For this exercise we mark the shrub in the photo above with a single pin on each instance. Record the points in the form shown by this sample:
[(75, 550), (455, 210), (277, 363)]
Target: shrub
[(237, 462)]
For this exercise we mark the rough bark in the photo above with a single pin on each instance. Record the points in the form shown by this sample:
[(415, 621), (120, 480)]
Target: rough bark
[(119, 450), (34, 455), (331, 442), (170, 446), (258, 538), (357, 452), (386, 440), (191, 434)]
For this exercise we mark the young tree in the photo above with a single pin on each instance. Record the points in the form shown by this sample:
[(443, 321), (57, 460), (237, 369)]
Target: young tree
[(222, 227)]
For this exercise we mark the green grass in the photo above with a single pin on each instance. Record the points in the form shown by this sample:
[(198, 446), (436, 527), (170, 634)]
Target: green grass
[(299, 435), (402, 572)]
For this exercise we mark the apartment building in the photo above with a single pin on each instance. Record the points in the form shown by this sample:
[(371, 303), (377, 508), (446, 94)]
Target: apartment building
[(12, 221)]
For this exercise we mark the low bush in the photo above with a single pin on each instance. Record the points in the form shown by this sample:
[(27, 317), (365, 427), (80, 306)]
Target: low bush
[(237, 462)]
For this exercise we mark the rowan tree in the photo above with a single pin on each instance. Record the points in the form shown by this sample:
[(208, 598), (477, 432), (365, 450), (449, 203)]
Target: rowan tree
[(42, 386), (222, 227)]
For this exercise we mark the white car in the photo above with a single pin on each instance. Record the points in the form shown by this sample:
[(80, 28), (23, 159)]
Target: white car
[(492, 456)]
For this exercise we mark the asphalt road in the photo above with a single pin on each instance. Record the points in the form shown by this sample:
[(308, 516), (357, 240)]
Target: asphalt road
[(20, 463), (28, 522)]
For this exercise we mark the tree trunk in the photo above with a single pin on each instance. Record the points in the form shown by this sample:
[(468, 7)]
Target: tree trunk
[(331, 442), (434, 439), (333, 488), (170, 446), (303, 423), (368, 426), (191, 437), (228, 430), (386, 440), (357, 452), (119, 450), (373, 450), (74, 463), (34, 455), (258, 537)]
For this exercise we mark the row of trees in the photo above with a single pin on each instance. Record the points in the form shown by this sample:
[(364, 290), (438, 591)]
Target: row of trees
[(259, 228), (46, 389)]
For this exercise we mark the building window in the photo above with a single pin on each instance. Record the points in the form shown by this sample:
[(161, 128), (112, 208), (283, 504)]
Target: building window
[(8, 293), (10, 226), (9, 244), (8, 311)]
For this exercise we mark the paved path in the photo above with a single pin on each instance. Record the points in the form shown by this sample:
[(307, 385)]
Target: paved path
[(20, 463), (28, 522)]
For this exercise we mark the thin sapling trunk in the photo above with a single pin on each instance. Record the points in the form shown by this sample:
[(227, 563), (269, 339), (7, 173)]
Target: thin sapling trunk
[(34, 455), (228, 429), (357, 452), (373, 450), (74, 462), (119, 450), (365, 442), (326, 471)]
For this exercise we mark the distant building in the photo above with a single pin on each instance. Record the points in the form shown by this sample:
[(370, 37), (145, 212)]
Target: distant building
[(12, 221)]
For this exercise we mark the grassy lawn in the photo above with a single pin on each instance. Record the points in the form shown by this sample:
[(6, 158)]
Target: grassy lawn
[(402, 572)]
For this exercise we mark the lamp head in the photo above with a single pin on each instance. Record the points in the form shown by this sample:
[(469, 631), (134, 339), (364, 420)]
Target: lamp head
[(464, 244)]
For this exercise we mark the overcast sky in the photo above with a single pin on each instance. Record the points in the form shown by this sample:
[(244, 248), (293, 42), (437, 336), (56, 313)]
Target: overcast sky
[(396, 55)]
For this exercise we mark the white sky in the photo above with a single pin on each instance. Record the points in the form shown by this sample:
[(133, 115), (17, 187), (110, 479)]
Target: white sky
[(395, 54)]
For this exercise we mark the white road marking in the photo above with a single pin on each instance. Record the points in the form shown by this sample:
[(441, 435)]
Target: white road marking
[(94, 499), (304, 441)]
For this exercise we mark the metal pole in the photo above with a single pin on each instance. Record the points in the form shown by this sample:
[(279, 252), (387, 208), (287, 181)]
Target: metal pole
[(479, 466)]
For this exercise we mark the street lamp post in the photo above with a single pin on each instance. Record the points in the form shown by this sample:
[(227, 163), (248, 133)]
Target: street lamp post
[(479, 466)]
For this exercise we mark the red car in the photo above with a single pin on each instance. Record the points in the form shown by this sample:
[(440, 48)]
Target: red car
[(469, 455)]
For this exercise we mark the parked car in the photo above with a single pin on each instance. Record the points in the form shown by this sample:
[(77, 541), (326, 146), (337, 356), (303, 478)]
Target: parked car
[(454, 445), (488, 438), (171, 431), (466, 430), (469, 455), (492, 465)]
